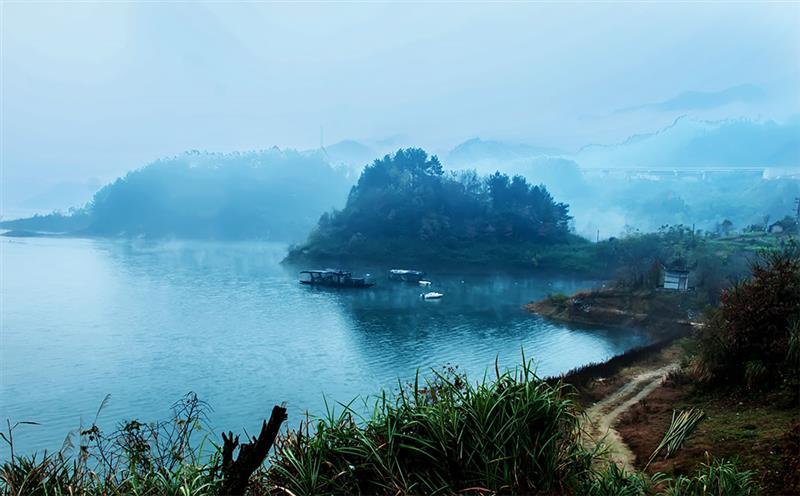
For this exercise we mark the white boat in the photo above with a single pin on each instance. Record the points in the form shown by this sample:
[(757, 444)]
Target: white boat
[(432, 295), (424, 283), (406, 275)]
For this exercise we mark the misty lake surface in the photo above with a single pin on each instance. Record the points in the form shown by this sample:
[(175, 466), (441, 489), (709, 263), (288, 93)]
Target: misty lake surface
[(147, 322)]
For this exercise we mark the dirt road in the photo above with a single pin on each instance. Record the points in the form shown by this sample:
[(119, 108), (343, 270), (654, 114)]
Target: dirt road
[(604, 414)]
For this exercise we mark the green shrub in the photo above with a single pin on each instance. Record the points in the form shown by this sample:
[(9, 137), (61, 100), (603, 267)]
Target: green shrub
[(558, 299), (515, 434), (751, 338)]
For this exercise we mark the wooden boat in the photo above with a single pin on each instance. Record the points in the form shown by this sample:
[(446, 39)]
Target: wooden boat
[(406, 275), (334, 278)]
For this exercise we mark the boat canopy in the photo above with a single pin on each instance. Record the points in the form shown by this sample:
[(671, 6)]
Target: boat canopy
[(328, 272), (333, 277)]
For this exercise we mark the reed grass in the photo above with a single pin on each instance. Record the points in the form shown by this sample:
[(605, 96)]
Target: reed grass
[(445, 435), (713, 478), (680, 427)]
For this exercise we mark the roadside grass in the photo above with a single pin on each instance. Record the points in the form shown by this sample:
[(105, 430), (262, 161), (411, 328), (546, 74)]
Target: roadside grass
[(737, 426), (749, 432)]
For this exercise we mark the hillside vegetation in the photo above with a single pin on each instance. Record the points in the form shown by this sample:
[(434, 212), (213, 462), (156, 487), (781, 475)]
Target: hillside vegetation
[(406, 205), (271, 194)]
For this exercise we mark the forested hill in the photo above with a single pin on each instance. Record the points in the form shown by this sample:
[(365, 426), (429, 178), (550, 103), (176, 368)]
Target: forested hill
[(271, 194), (406, 204)]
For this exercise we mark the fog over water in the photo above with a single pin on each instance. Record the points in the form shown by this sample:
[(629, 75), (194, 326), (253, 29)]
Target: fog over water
[(147, 323)]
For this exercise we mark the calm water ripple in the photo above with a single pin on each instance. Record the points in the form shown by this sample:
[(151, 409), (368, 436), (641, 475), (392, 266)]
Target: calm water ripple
[(147, 323)]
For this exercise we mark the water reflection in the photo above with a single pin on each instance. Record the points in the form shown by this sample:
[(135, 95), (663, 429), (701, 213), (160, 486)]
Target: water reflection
[(149, 322)]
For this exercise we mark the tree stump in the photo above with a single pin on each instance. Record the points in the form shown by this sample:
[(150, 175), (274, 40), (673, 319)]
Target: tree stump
[(236, 473)]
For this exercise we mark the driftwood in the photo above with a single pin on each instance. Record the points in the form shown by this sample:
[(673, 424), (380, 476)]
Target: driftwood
[(236, 473)]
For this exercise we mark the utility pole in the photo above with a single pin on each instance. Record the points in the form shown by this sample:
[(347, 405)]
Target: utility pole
[(797, 212)]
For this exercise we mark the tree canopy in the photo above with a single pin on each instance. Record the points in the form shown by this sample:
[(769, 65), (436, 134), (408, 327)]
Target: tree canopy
[(408, 196)]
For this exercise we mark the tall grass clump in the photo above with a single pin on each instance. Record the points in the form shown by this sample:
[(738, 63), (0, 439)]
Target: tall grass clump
[(514, 434), (615, 481), (713, 478), (160, 458)]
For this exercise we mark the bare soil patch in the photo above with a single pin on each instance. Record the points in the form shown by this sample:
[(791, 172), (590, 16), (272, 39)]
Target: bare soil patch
[(751, 432)]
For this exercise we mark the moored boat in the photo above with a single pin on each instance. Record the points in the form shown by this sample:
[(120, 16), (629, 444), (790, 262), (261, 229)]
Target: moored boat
[(407, 275), (334, 278), (431, 295)]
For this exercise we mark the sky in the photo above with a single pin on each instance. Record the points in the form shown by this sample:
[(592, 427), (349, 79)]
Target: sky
[(91, 90)]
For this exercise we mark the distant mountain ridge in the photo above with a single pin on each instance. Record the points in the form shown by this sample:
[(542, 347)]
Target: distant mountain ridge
[(689, 142), (694, 100), (279, 194), (350, 152), (478, 150)]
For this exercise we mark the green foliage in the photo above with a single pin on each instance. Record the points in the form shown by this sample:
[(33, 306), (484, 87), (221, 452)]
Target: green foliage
[(751, 338), (755, 372), (716, 477), (793, 348), (614, 481), (713, 478), (407, 197), (516, 434), (513, 435), (558, 299), (162, 458)]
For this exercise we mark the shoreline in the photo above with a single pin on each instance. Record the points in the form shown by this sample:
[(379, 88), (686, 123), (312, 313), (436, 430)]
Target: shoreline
[(653, 310)]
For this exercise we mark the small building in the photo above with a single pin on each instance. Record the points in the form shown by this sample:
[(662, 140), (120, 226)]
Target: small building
[(674, 279), (776, 228)]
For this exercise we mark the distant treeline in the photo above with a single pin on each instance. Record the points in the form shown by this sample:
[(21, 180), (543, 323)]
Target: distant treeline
[(408, 199), (271, 194), (76, 221)]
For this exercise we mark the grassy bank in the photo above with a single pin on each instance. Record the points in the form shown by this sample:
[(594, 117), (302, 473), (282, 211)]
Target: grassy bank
[(572, 257), (512, 434)]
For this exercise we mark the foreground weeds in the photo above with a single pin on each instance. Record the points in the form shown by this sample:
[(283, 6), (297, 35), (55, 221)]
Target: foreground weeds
[(162, 458), (513, 434)]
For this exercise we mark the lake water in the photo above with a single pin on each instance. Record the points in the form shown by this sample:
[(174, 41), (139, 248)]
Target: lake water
[(147, 323)]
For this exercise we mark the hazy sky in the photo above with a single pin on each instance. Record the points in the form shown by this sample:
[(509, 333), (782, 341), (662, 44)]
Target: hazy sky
[(95, 89)]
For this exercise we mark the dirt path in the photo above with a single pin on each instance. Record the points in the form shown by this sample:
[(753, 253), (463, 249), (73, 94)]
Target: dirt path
[(604, 414)]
